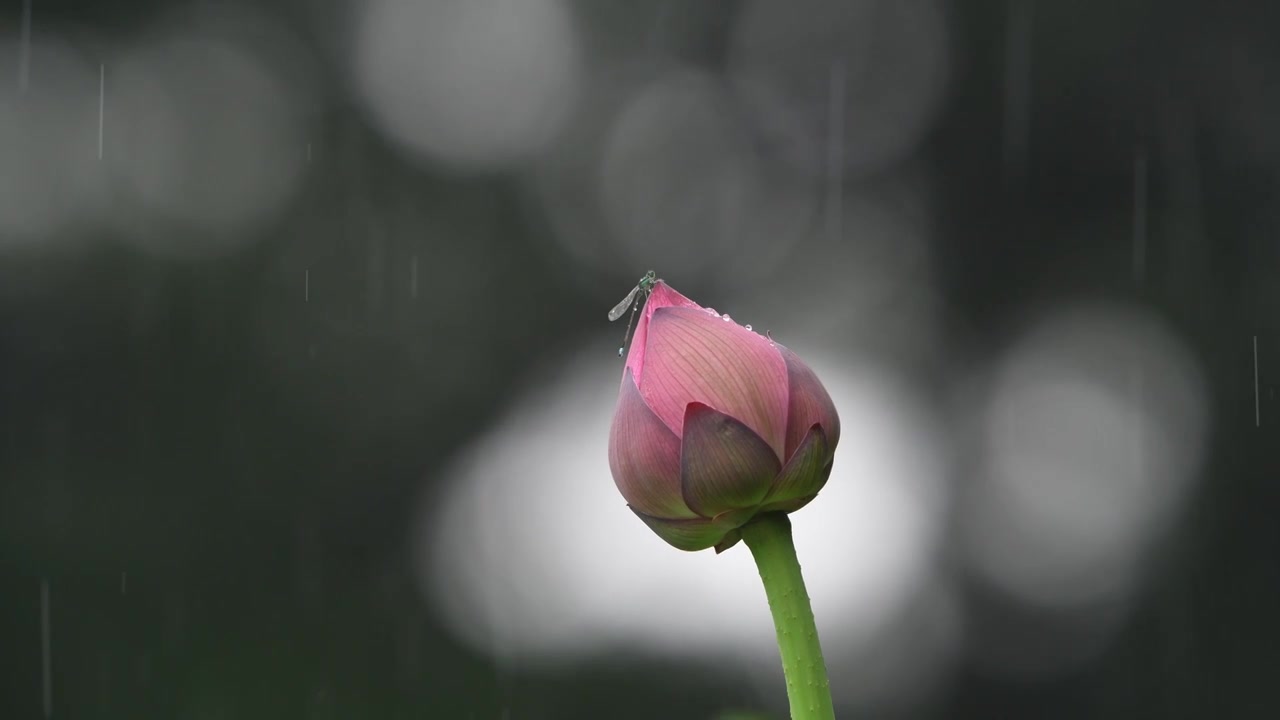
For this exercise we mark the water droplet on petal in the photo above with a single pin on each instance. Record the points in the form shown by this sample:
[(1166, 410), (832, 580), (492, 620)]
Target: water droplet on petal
[(725, 317), (748, 326)]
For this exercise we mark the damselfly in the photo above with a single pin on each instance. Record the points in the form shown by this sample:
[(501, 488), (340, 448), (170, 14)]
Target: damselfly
[(633, 301)]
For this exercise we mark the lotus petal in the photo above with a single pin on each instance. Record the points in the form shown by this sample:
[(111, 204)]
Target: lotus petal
[(694, 356), (808, 403), (724, 465), (803, 475), (644, 456), (691, 535)]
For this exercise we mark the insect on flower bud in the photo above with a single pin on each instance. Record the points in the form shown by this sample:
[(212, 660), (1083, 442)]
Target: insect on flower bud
[(715, 425)]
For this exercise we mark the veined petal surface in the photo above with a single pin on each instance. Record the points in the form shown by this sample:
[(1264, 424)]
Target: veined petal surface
[(695, 356), (807, 404), (806, 472), (644, 456), (724, 465)]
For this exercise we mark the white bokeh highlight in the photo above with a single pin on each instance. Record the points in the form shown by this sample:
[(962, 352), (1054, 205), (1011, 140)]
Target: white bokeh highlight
[(883, 63), (206, 133), (475, 84), (1091, 435), (50, 179), (532, 554), (680, 184)]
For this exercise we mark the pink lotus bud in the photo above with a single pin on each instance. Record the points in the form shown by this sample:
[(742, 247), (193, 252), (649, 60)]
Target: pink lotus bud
[(715, 425)]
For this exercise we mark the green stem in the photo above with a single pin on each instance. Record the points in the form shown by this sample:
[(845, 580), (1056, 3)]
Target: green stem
[(769, 538)]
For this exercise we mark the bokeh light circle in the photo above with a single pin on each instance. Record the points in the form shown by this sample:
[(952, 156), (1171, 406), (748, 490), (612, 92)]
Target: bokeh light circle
[(476, 84), (1092, 432), (50, 178), (206, 132), (875, 69), (681, 185), (531, 560)]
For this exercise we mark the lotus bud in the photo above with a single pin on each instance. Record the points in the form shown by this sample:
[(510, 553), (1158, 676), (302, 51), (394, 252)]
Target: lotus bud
[(715, 425)]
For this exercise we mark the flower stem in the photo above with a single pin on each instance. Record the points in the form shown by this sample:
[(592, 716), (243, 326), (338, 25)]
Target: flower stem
[(769, 538)]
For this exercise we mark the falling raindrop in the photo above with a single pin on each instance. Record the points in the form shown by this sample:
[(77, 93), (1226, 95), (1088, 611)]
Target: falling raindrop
[(835, 151), (1140, 216), (413, 277), (306, 285), (24, 58), (124, 579), (1017, 80), (1257, 403), (45, 649), (102, 103)]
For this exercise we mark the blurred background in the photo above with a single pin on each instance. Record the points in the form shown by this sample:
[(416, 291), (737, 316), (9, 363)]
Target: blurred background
[(307, 380)]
